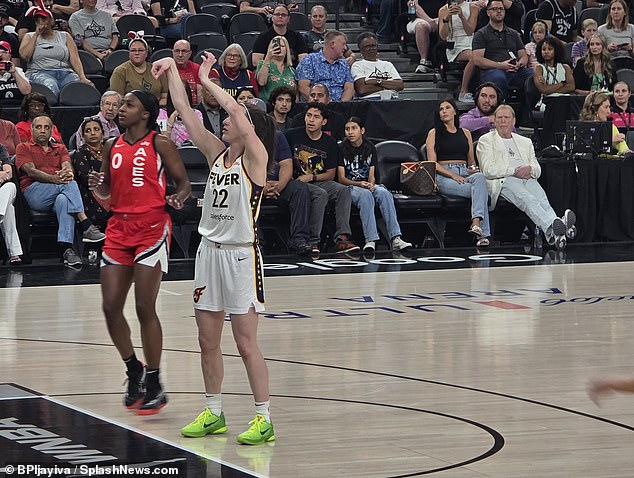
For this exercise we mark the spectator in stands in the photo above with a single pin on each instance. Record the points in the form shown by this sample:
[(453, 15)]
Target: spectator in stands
[(213, 115), (187, 69), (335, 125), (280, 21), (508, 161), (244, 94), (176, 130), (8, 223), (34, 104), (560, 17), (232, 71), (622, 115), (5, 37), (580, 48), (329, 68), (87, 159), (619, 34), (315, 160), (481, 119), (421, 27), (357, 162), (171, 16), (595, 71), (552, 76), (451, 148), (9, 136), (538, 33), (13, 82), (52, 55), (456, 24), (136, 73), (281, 188), (513, 13), (120, 8), (14, 9), (266, 7), (373, 78), (108, 112), (282, 100), (276, 69), (48, 182), (314, 37), (596, 107), (26, 23), (499, 52), (95, 30)]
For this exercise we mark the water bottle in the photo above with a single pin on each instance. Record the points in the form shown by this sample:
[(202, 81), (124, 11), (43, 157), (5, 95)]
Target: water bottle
[(411, 7), (92, 257), (78, 40), (537, 240)]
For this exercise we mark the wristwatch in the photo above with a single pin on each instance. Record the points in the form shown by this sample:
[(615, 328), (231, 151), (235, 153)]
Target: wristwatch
[(314, 178), (379, 81)]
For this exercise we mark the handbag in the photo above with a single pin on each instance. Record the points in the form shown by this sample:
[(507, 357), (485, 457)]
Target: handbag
[(419, 178)]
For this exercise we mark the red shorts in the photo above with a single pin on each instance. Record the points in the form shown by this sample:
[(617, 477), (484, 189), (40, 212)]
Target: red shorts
[(138, 239)]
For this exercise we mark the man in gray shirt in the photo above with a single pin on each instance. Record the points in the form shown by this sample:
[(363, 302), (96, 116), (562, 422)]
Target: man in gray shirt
[(94, 29)]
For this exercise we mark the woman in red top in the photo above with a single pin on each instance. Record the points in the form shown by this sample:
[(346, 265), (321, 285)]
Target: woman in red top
[(34, 104), (137, 238)]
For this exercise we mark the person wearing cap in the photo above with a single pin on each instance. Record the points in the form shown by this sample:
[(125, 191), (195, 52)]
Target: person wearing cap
[(12, 40), (52, 55), (94, 29), (13, 83)]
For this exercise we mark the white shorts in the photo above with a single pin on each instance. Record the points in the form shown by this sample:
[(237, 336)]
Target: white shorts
[(228, 278), (411, 26)]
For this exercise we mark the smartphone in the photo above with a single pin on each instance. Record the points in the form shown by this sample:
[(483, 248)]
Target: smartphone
[(276, 44), (5, 65), (622, 45), (59, 23)]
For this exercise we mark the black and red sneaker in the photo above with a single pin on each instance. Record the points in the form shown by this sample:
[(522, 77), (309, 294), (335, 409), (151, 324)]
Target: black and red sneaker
[(345, 245), (153, 402), (135, 393)]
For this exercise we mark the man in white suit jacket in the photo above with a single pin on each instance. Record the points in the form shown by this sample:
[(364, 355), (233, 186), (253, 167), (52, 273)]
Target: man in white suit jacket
[(509, 164)]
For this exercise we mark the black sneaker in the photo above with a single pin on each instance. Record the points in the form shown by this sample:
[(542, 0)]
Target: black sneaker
[(153, 402), (135, 393)]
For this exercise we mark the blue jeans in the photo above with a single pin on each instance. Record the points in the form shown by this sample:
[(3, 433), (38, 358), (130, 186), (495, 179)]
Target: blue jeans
[(506, 79), (54, 80), (365, 201), (388, 11), (475, 188), (176, 30), (65, 199)]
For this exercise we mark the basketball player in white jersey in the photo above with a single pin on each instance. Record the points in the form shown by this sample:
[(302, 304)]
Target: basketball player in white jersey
[(228, 275)]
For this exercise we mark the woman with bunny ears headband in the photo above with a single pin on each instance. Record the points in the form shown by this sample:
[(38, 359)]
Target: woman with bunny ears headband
[(136, 73)]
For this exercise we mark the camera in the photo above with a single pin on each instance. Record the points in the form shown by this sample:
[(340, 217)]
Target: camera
[(5, 65)]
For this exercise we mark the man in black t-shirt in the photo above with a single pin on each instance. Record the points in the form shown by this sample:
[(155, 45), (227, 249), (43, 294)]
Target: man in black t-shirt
[(315, 160), (561, 18), (280, 20), (11, 39)]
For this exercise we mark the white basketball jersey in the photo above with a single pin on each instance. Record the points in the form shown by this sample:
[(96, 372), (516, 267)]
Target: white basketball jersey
[(231, 204)]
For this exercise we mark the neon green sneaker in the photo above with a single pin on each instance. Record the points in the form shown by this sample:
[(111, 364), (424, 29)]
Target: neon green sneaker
[(260, 432), (205, 424)]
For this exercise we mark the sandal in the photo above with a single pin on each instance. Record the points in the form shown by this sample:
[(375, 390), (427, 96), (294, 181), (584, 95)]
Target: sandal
[(475, 229), (483, 242), (15, 260)]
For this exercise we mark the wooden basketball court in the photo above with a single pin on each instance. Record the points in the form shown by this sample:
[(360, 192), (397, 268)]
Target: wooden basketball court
[(478, 371)]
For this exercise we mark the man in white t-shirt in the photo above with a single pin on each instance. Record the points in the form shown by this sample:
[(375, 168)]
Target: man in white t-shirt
[(374, 78), (509, 164)]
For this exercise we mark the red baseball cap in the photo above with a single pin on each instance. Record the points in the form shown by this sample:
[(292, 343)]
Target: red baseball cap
[(6, 46)]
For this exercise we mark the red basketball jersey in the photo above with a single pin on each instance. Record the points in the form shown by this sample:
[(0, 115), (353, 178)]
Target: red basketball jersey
[(137, 176)]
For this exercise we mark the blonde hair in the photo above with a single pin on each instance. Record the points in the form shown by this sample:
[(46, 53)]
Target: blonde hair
[(589, 22), (591, 105), (504, 107), (606, 62), (288, 61)]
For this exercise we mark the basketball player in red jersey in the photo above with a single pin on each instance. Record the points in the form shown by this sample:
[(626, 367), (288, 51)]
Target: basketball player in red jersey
[(228, 275), (137, 239)]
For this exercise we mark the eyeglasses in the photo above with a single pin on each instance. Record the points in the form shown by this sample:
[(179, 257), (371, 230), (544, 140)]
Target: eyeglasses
[(496, 9), (137, 51), (232, 55), (181, 52), (280, 15)]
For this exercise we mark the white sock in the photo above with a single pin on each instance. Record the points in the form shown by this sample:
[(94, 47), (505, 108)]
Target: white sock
[(262, 408), (214, 403)]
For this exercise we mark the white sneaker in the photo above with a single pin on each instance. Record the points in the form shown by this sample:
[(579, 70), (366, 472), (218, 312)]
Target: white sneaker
[(424, 68), (569, 219), (399, 244), (370, 246), (466, 98)]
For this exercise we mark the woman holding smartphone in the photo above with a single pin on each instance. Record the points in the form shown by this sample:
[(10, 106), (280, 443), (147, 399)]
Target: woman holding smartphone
[(619, 34), (276, 69)]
